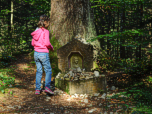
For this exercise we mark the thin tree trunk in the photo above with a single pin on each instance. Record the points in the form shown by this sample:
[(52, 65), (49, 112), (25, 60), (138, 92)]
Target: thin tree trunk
[(12, 16), (122, 48)]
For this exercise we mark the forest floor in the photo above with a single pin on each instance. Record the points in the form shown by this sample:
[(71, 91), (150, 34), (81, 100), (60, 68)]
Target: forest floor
[(23, 100)]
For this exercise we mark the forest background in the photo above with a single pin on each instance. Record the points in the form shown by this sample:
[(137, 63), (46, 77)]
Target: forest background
[(123, 29)]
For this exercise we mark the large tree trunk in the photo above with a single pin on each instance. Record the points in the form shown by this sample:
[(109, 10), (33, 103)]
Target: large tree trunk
[(71, 18)]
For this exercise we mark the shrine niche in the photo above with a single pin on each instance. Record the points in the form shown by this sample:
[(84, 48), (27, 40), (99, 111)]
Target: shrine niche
[(75, 54), (75, 60)]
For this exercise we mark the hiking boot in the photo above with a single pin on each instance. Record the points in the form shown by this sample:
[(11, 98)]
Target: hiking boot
[(47, 90), (37, 92)]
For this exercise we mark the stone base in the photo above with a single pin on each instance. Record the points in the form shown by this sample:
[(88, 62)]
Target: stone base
[(82, 86)]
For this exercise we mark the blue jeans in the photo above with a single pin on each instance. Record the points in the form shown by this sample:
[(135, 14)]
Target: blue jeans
[(42, 59)]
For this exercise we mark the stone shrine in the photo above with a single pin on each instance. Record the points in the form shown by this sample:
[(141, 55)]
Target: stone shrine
[(75, 54), (75, 60)]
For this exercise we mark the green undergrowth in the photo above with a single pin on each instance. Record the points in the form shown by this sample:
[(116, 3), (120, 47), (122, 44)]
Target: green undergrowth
[(5, 81)]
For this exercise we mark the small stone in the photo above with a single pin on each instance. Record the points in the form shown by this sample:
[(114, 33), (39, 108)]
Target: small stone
[(87, 78), (10, 85), (92, 110), (72, 96), (86, 100), (82, 77), (78, 74), (109, 106), (113, 88), (67, 78), (100, 104), (84, 70), (19, 107), (76, 95), (86, 74), (66, 75), (91, 77), (96, 73), (90, 105), (82, 95), (96, 94), (102, 75), (47, 100), (78, 69), (71, 73), (10, 107), (121, 95)]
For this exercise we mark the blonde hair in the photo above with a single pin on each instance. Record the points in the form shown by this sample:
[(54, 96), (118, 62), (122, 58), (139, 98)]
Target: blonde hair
[(42, 19)]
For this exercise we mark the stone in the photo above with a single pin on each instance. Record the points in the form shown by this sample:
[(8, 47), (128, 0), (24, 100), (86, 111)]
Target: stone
[(96, 94), (66, 75), (86, 100), (92, 110), (113, 88), (58, 75), (84, 70), (96, 73), (62, 78), (76, 95), (86, 74), (90, 105), (79, 69), (82, 77), (71, 73), (100, 104), (67, 78), (103, 96), (102, 75), (87, 78), (78, 74), (91, 77)]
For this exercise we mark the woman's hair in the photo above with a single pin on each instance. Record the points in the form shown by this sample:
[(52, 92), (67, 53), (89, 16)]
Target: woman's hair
[(42, 19)]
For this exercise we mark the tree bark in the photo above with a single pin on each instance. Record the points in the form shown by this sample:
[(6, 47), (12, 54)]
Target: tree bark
[(70, 18)]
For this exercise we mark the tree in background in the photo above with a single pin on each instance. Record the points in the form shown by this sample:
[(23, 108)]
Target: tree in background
[(126, 32)]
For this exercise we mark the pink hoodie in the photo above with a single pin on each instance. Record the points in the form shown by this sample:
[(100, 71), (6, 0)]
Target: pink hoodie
[(41, 41)]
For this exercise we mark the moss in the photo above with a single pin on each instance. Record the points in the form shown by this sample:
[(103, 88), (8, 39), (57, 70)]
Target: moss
[(67, 87), (95, 65)]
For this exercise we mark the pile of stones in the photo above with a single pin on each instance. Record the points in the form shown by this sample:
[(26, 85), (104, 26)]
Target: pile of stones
[(78, 74)]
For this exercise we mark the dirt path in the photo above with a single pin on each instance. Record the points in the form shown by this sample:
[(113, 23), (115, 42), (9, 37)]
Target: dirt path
[(23, 100)]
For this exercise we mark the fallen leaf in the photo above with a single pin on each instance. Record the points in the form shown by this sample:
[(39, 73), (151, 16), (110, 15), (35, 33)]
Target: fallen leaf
[(122, 102), (113, 102), (16, 96), (1, 105)]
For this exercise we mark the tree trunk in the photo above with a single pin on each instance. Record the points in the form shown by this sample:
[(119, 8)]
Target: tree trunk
[(70, 18), (12, 15)]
